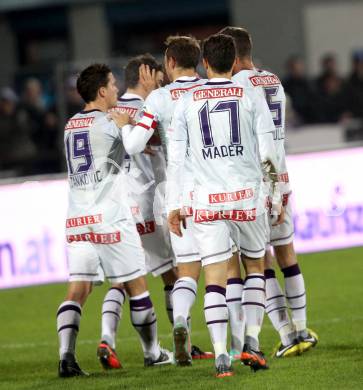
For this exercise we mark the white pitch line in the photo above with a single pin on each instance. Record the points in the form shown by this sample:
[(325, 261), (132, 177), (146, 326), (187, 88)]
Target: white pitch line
[(161, 336)]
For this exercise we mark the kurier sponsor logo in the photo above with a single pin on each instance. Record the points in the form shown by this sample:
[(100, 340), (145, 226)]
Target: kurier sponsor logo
[(79, 123), (231, 196), (81, 221), (146, 228), (230, 215), (96, 238), (264, 80), (215, 93)]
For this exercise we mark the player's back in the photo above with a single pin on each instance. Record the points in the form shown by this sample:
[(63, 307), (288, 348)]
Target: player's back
[(269, 86), (220, 118), (94, 152), (162, 101)]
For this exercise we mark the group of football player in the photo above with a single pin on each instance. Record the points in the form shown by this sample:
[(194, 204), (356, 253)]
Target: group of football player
[(175, 176)]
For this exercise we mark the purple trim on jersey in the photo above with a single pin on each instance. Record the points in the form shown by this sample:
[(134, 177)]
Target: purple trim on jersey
[(187, 81), (129, 100), (218, 82), (89, 111)]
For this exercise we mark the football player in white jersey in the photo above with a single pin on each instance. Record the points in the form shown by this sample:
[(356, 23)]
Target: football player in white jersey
[(143, 172), (295, 337), (229, 131), (100, 230), (181, 59)]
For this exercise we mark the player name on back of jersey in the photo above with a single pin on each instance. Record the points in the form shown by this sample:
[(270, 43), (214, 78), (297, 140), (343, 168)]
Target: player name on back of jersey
[(216, 93), (264, 80)]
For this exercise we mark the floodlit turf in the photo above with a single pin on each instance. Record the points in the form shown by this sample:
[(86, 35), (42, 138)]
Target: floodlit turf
[(29, 356)]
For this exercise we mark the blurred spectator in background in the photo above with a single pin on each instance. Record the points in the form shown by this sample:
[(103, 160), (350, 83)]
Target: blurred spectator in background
[(329, 68), (43, 128), (354, 86), (299, 88), (74, 102), (17, 149)]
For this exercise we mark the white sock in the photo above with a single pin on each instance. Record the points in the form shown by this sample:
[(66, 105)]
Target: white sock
[(276, 308), (184, 293), (68, 319), (168, 292), (216, 316), (233, 298), (143, 319), (296, 296), (253, 302), (111, 314)]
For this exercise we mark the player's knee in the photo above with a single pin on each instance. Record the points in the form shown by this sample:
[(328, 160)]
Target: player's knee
[(254, 265), (136, 286), (79, 291)]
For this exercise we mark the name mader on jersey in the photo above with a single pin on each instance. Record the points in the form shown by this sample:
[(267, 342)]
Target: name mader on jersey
[(229, 129), (220, 121)]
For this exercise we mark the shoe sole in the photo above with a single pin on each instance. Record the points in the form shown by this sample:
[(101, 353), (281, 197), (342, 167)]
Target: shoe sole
[(181, 355), (104, 357), (253, 362), (225, 374)]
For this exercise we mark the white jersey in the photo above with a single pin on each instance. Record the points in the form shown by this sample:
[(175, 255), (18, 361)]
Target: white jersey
[(95, 153), (270, 87), (229, 128), (161, 103)]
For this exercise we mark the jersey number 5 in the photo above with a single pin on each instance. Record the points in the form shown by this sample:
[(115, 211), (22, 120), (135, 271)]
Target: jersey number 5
[(78, 147), (230, 106)]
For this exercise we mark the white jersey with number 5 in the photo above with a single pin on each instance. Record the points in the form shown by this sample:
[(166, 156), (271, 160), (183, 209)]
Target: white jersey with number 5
[(270, 87), (221, 121)]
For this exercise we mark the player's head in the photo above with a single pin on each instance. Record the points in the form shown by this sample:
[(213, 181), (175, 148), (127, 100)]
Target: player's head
[(242, 40), (96, 83), (182, 52), (132, 77), (219, 55)]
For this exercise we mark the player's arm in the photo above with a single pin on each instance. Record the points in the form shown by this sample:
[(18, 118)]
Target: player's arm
[(177, 149), (264, 129)]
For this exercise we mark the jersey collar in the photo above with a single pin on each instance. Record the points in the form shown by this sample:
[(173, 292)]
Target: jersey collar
[(218, 81), (186, 79), (89, 111), (130, 97)]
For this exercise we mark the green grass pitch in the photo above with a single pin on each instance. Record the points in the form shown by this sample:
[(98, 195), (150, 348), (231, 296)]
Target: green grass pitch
[(29, 356)]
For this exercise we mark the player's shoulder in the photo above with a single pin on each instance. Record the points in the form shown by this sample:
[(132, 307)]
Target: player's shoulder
[(85, 119)]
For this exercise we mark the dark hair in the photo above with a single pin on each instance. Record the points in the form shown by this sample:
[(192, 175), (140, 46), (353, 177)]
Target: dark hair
[(184, 49), (220, 52), (91, 80), (132, 68), (242, 40)]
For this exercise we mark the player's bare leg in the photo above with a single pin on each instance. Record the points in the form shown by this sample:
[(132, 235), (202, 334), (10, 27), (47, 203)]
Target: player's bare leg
[(169, 278), (253, 303), (233, 298), (276, 309), (68, 320), (216, 314), (295, 294), (143, 319), (184, 293), (111, 316)]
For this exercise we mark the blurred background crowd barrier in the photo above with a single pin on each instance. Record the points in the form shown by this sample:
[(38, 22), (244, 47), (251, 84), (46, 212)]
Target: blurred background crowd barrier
[(315, 47)]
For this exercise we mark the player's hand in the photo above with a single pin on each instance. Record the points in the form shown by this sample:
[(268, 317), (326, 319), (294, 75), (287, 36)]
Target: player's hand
[(147, 78), (149, 150), (120, 118), (174, 219), (278, 214)]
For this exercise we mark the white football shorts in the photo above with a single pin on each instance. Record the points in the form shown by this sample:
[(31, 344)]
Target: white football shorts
[(117, 249), (283, 234)]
